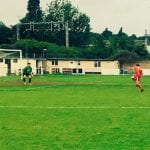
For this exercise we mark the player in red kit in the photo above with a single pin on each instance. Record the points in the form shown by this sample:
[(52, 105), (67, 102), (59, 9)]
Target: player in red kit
[(137, 75)]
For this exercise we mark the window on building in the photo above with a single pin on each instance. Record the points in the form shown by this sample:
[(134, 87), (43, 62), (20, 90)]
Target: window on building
[(55, 62), (1, 60), (52, 62), (55, 70), (97, 64), (80, 71), (74, 70), (15, 60)]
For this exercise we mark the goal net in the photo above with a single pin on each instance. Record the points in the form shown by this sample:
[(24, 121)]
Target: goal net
[(10, 61)]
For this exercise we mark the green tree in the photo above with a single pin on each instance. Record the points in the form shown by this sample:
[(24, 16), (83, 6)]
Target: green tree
[(107, 34), (140, 50), (5, 34), (34, 12), (78, 23), (121, 33), (126, 57), (133, 37), (34, 48)]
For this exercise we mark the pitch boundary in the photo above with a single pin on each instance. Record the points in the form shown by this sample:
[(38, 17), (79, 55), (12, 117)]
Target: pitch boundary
[(74, 107)]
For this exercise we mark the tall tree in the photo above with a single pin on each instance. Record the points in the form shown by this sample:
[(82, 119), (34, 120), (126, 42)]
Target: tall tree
[(78, 23), (34, 12), (126, 57), (121, 33), (107, 34), (5, 34)]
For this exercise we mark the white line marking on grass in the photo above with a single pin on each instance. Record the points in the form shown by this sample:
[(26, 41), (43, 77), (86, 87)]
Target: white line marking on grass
[(33, 88), (142, 107), (55, 107), (72, 107), (41, 87)]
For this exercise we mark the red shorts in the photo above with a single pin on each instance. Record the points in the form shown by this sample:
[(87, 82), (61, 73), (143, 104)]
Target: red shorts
[(136, 77)]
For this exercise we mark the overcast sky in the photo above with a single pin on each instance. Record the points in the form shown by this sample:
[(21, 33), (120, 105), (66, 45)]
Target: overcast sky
[(132, 15)]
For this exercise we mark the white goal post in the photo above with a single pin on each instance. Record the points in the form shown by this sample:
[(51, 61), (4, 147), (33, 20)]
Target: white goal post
[(6, 57)]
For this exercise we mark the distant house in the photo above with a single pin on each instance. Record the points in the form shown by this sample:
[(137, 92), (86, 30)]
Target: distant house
[(12, 62), (82, 66), (15, 65)]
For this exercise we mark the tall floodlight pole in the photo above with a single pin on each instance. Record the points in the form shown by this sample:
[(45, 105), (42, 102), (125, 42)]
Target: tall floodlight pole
[(18, 31), (67, 34), (66, 25), (27, 52), (146, 39), (44, 53)]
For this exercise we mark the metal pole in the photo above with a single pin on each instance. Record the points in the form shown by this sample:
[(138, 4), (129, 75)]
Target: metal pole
[(18, 32), (146, 39), (27, 52), (44, 52), (21, 63), (67, 34)]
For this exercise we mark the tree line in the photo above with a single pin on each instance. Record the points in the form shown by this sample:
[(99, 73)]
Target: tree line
[(83, 43)]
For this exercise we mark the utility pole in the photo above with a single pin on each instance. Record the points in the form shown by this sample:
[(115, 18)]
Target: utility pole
[(18, 31), (27, 52), (146, 38), (67, 34)]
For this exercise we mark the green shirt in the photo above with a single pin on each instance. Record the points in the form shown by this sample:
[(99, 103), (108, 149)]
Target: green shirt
[(27, 70)]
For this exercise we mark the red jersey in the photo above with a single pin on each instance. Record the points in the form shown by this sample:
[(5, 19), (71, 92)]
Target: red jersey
[(137, 70)]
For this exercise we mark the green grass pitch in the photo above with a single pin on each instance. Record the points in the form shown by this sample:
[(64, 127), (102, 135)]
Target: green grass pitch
[(64, 112)]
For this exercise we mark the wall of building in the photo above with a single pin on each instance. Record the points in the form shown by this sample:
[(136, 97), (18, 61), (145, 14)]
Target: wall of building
[(20, 64), (16, 66), (66, 66), (110, 68), (3, 68), (91, 66), (87, 66)]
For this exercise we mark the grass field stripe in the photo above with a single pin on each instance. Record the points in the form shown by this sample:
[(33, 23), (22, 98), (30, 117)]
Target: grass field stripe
[(57, 107), (72, 107)]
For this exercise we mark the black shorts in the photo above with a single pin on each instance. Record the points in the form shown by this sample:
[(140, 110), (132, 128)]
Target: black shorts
[(25, 74)]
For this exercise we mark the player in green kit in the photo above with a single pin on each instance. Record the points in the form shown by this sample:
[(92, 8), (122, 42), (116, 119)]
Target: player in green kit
[(27, 72)]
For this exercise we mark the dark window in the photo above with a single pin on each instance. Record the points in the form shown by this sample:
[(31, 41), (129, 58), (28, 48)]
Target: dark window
[(15, 60), (1, 60), (80, 70), (97, 64), (54, 62), (74, 70), (57, 70)]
